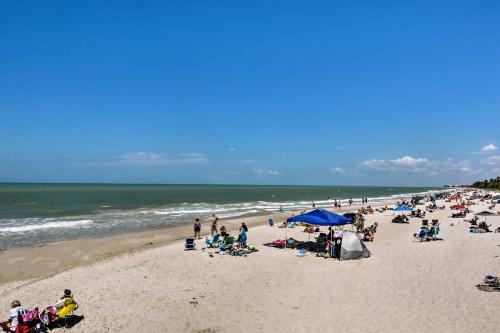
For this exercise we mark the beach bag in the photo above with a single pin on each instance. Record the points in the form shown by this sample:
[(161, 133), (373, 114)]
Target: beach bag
[(29, 316)]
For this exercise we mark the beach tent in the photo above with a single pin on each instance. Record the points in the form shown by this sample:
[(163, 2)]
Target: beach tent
[(402, 208), (321, 217), (353, 247)]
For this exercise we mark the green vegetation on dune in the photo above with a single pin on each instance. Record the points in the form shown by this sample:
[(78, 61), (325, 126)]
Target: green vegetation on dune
[(493, 183)]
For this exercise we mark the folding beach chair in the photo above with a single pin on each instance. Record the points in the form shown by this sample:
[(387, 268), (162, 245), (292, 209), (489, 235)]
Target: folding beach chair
[(212, 242), (190, 244), (227, 244)]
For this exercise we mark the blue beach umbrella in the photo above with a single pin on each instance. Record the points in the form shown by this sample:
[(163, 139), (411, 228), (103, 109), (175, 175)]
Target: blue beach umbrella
[(321, 217), (402, 208)]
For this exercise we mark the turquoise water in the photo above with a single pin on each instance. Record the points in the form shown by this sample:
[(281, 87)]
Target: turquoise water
[(32, 214)]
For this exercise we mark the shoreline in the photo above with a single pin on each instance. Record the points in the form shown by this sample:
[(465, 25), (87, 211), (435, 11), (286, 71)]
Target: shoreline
[(41, 261)]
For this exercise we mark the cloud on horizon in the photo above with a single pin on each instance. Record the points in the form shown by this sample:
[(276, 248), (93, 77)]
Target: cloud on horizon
[(265, 172), (420, 167), (150, 159), (406, 164), (336, 170)]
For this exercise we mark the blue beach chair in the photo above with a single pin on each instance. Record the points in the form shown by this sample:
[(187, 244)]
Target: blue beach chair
[(214, 242)]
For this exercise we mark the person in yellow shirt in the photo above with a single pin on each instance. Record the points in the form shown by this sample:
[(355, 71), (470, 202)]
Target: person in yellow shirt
[(66, 304)]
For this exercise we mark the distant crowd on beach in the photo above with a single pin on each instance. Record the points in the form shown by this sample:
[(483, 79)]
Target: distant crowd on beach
[(337, 204)]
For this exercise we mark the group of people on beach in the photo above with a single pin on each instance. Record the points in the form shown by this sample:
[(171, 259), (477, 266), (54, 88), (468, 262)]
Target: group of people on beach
[(213, 226), (214, 229), (22, 320)]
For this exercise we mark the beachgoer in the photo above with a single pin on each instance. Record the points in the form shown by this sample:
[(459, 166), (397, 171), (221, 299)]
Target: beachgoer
[(223, 232), (309, 229), (329, 235), (197, 228), (244, 226), (15, 310), (313, 205), (66, 304), (350, 201), (214, 225), (281, 209), (242, 238), (368, 235)]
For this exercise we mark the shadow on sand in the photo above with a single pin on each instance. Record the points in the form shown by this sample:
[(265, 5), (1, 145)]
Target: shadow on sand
[(67, 322)]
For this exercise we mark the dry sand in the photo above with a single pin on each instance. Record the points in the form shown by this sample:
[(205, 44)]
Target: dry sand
[(404, 286)]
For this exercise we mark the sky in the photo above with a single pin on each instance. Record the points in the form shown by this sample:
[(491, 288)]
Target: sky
[(250, 92)]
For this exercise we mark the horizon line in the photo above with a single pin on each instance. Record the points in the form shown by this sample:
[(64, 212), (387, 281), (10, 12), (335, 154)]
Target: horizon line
[(204, 184)]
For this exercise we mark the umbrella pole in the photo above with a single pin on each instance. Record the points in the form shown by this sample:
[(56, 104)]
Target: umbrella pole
[(286, 234), (331, 242)]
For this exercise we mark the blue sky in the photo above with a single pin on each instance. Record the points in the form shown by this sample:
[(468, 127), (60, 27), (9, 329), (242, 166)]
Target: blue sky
[(252, 92)]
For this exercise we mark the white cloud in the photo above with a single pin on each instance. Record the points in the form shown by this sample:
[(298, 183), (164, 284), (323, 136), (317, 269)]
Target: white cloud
[(411, 165), (336, 170), (492, 160), (408, 161), (406, 164), (489, 148), (265, 172)]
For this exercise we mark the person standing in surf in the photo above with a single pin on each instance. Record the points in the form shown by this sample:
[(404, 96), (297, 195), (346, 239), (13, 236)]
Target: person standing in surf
[(197, 228)]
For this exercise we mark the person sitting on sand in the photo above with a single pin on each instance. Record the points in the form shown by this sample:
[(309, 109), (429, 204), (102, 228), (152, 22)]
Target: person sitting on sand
[(283, 225), (223, 232), (484, 227), (66, 304), (368, 235), (16, 309), (309, 229), (242, 237)]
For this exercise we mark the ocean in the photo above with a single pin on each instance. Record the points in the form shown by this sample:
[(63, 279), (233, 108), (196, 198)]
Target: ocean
[(34, 214)]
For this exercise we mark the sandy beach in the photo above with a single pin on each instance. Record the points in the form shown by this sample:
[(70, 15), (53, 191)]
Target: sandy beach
[(404, 286)]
